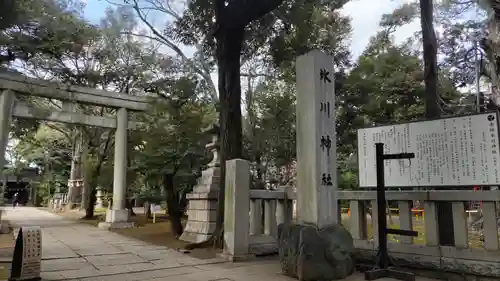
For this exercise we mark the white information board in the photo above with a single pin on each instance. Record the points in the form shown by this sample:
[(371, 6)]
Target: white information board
[(450, 152), (155, 208)]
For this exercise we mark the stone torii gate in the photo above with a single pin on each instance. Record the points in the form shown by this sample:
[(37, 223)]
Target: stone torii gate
[(17, 84)]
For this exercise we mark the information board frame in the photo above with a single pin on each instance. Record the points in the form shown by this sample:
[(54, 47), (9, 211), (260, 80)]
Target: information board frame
[(438, 186)]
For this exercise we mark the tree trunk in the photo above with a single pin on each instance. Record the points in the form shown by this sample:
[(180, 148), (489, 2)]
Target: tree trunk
[(131, 176), (147, 210), (433, 109), (258, 163), (183, 203), (85, 186), (74, 192), (89, 211), (92, 192), (173, 208), (129, 207), (229, 45)]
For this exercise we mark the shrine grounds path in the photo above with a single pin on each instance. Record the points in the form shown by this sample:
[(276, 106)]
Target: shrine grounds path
[(73, 251)]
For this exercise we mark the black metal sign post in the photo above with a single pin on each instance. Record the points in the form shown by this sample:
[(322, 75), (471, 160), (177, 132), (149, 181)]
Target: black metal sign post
[(383, 269)]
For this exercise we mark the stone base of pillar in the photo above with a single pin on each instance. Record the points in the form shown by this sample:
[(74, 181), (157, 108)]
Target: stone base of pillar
[(236, 258), (116, 219), (116, 225), (117, 215), (72, 206)]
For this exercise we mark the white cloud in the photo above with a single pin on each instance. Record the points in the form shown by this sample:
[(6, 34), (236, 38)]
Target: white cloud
[(366, 15)]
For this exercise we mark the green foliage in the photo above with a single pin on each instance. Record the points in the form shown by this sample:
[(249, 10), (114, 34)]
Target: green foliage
[(46, 28), (172, 141), (146, 192), (50, 151), (275, 136), (283, 30), (461, 25), (46, 148)]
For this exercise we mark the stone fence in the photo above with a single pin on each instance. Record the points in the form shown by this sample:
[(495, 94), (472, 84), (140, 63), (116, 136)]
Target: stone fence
[(252, 217), (57, 202)]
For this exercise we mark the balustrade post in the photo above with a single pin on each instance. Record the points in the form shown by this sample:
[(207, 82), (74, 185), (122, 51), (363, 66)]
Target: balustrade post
[(280, 211), (490, 226), (284, 210), (431, 223), (270, 227), (287, 205), (256, 217), (374, 218), (357, 219), (405, 220), (236, 210), (460, 229)]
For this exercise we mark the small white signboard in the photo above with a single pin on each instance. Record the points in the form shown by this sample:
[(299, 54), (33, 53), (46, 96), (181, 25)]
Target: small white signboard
[(155, 208), (457, 151)]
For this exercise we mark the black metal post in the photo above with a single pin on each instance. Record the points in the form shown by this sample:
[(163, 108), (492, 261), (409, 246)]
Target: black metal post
[(381, 207), (383, 269)]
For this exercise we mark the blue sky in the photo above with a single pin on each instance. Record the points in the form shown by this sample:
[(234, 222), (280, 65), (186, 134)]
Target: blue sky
[(94, 9), (365, 16)]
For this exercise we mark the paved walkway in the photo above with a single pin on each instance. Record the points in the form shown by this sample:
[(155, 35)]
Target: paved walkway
[(73, 251)]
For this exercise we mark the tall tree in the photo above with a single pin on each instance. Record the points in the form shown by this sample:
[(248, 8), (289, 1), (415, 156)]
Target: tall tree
[(231, 20), (432, 105)]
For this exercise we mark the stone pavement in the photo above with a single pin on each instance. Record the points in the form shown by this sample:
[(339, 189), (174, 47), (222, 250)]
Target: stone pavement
[(73, 251)]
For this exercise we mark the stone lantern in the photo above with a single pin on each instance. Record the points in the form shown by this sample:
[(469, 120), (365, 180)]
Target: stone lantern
[(99, 198), (203, 199)]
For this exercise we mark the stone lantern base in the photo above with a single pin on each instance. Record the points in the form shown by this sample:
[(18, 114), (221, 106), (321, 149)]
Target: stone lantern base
[(203, 200), (201, 217), (202, 208)]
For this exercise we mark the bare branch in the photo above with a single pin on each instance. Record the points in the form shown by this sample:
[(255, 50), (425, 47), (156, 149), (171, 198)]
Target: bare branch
[(56, 128), (255, 75), (164, 40), (158, 6)]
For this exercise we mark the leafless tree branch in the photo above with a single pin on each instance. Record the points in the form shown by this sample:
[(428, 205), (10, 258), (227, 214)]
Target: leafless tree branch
[(169, 43)]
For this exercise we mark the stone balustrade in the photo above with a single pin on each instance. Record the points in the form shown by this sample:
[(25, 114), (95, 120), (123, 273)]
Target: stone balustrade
[(58, 201), (475, 252), (268, 209)]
